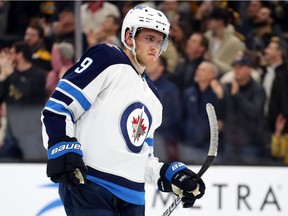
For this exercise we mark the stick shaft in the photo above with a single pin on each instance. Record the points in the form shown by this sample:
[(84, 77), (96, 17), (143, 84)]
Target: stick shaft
[(212, 153)]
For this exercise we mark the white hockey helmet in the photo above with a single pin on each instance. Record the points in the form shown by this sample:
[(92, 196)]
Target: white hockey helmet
[(142, 16)]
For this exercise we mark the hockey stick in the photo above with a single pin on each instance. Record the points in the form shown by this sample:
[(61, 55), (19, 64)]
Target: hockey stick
[(212, 153)]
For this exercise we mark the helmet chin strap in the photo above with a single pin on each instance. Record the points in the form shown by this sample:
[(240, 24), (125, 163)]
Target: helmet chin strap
[(160, 52), (133, 51)]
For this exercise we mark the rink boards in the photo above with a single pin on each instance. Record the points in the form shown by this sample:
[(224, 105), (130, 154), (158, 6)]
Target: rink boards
[(231, 190)]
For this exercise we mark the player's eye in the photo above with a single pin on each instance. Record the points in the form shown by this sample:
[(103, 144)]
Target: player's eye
[(149, 39)]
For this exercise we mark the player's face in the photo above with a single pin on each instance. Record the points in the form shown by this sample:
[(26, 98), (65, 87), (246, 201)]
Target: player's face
[(148, 44)]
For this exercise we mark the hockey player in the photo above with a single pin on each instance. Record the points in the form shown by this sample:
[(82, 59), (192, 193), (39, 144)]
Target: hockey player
[(98, 126)]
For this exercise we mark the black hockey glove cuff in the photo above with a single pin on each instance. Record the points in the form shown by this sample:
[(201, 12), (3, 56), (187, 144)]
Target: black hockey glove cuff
[(183, 182), (65, 163)]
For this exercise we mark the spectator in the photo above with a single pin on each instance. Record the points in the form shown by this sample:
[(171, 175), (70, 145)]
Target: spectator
[(256, 72), (196, 48), (206, 89), (108, 32), (21, 81), (244, 134), (22, 87), (168, 133), (274, 81), (201, 13), (62, 60), (263, 30), (280, 17), (48, 13), (248, 16), (34, 37), (223, 44), (63, 29), (93, 13), (180, 32)]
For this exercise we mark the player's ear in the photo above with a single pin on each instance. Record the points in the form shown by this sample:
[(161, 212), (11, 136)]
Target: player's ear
[(128, 38)]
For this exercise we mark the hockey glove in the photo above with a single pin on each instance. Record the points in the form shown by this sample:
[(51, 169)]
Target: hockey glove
[(177, 178), (65, 163)]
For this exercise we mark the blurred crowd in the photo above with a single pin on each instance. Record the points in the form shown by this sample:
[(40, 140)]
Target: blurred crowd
[(232, 54)]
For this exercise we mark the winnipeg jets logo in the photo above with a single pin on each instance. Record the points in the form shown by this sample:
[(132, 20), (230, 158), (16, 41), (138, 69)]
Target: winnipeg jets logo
[(135, 123), (138, 126)]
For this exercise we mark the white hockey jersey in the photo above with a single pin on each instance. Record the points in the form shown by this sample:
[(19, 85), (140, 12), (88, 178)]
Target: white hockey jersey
[(113, 112)]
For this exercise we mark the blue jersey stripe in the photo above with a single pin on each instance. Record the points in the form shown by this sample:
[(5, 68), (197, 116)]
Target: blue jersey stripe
[(126, 194), (78, 95), (58, 107)]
